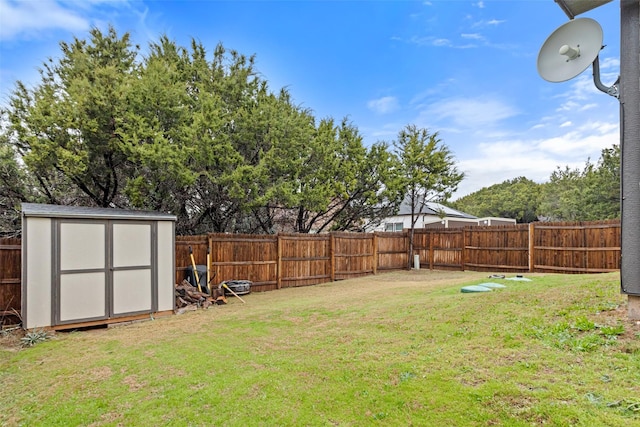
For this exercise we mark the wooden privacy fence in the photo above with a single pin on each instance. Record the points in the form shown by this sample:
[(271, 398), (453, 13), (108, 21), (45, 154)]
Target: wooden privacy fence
[(561, 247), (279, 261), (289, 260), (591, 247)]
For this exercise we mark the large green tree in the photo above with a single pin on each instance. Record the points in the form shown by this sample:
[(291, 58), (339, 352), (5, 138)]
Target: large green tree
[(192, 132), (427, 169), (336, 183), (588, 194), (66, 128), (176, 131), (157, 132), (603, 189), (15, 187), (517, 198)]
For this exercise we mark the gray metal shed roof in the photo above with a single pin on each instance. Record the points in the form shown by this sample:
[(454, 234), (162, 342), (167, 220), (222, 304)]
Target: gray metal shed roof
[(57, 211)]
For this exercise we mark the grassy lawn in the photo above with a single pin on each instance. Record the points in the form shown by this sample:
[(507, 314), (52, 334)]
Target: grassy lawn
[(396, 349)]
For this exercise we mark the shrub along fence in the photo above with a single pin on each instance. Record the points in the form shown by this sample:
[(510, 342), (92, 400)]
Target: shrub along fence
[(290, 260)]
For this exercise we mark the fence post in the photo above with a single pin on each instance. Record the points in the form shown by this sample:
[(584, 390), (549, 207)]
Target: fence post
[(531, 246)]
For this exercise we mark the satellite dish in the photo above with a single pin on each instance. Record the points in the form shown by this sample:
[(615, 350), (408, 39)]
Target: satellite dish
[(569, 50)]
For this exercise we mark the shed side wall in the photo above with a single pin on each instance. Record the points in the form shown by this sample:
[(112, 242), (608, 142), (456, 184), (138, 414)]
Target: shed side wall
[(37, 268), (166, 265)]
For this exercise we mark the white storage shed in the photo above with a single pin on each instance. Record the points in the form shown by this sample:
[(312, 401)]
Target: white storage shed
[(88, 266)]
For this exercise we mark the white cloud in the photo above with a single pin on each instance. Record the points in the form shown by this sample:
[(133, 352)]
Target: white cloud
[(473, 36), (468, 113), (586, 107), (36, 19), (497, 153), (435, 41), (421, 41), (610, 64), (586, 140), (384, 105), (489, 23), (28, 18), (501, 162), (480, 4), (440, 88), (441, 42), (580, 96), (495, 161)]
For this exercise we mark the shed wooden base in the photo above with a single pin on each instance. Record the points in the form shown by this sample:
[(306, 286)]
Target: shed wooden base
[(115, 320)]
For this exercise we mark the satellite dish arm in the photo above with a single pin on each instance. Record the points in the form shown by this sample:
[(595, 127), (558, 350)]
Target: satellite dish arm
[(609, 90)]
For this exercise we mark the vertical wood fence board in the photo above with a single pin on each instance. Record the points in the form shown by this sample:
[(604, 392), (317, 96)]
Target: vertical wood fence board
[(10, 278), (374, 261)]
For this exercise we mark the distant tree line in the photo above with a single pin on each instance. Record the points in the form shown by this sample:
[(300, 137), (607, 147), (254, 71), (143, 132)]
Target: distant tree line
[(200, 135), (588, 194)]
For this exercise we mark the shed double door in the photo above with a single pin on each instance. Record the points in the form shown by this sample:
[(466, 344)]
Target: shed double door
[(104, 268)]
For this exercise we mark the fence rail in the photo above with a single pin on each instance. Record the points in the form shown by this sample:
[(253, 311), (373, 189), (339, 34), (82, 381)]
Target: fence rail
[(290, 260)]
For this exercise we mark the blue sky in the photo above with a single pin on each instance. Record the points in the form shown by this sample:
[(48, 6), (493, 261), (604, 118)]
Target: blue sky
[(465, 69)]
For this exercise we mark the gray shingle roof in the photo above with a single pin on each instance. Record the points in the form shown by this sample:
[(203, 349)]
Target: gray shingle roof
[(58, 211), (432, 208)]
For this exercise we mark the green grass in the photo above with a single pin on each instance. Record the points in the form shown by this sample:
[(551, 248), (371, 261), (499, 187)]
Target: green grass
[(396, 349)]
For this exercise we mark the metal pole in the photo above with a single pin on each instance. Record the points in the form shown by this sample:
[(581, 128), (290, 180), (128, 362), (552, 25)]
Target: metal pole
[(630, 152)]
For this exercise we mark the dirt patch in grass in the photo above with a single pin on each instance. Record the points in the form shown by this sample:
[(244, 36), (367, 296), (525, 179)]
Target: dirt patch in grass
[(133, 382), (10, 340), (102, 373), (629, 340)]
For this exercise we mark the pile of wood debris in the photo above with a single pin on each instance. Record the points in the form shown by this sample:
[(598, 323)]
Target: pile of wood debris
[(188, 298)]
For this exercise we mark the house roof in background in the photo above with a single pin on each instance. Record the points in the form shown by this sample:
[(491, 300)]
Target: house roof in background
[(433, 208)]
